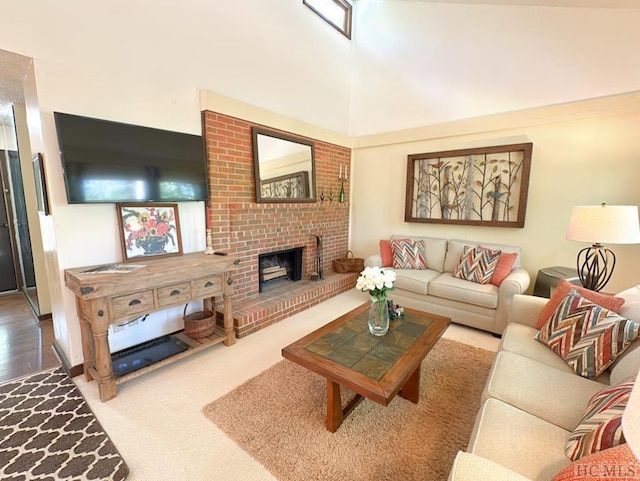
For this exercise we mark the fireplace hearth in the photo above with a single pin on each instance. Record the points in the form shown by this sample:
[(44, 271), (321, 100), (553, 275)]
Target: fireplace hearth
[(280, 266)]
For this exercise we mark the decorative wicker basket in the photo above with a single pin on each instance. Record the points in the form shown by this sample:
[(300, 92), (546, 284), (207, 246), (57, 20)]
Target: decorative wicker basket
[(199, 324), (348, 264)]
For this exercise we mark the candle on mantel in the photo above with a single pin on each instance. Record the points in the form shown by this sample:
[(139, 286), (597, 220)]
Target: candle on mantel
[(340, 176), (346, 172)]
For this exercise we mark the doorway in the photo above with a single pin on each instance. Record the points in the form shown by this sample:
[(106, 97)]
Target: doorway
[(8, 280)]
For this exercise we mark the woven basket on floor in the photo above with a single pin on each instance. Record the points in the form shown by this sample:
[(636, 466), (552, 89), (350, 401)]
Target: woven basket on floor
[(199, 324), (348, 264)]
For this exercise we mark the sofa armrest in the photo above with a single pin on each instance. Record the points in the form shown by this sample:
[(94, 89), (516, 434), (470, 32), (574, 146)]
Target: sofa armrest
[(373, 261), (516, 282), (526, 309), (471, 467)]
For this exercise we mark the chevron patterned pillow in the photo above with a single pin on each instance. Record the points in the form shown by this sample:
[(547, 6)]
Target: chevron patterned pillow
[(587, 336), (477, 264), (408, 254), (601, 426)]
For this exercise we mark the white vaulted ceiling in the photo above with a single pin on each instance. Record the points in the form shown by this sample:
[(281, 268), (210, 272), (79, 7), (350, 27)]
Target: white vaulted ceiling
[(410, 63), (544, 3)]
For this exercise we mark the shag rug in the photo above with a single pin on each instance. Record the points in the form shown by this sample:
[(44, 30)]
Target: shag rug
[(279, 418), (48, 432)]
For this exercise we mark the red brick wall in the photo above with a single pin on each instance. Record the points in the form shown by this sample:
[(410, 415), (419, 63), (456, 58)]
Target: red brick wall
[(242, 226)]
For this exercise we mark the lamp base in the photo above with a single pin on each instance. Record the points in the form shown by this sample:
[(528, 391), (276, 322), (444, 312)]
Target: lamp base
[(595, 266)]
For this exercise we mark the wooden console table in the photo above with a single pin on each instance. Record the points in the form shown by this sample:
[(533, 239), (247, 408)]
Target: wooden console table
[(103, 299)]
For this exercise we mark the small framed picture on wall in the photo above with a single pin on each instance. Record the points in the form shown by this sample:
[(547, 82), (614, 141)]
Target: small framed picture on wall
[(149, 230)]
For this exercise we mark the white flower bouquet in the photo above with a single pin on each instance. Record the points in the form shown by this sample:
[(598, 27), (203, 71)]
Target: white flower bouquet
[(376, 281)]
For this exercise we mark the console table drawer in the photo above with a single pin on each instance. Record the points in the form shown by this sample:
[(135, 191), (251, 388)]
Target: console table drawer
[(176, 293), (132, 304), (207, 287)]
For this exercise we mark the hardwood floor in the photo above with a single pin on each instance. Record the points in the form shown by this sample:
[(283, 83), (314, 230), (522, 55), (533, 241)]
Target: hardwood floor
[(25, 343)]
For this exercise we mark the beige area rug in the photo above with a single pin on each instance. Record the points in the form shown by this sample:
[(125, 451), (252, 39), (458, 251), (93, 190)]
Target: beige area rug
[(279, 418)]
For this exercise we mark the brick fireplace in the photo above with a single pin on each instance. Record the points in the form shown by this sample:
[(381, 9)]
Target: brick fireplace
[(278, 267), (243, 227)]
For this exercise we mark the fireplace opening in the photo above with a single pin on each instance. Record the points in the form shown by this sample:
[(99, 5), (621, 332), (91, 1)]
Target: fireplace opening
[(278, 267)]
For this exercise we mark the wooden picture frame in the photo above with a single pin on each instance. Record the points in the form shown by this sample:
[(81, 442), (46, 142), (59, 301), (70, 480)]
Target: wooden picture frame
[(42, 197), (486, 186), (291, 186), (149, 230)]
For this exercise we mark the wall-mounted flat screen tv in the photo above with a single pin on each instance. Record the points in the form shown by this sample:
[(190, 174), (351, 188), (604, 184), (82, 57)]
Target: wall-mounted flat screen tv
[(106, 161)]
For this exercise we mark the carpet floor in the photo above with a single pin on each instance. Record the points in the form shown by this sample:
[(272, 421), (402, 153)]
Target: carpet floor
[(278, 417), (48, 432)]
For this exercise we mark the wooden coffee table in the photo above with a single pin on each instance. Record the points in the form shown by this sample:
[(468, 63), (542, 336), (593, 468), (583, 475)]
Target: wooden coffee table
[(377, 368)]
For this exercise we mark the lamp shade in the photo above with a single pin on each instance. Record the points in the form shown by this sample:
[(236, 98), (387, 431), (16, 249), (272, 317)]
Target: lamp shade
[(604, 224), (631, 421)]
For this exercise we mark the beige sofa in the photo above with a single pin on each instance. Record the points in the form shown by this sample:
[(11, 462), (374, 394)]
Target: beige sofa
[(531, 403), (483, 306)]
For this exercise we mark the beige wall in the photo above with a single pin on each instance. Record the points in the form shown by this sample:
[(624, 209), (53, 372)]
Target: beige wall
[(583, 154)]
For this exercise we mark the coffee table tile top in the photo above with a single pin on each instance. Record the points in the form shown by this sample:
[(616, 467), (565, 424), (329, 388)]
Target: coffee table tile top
[(351, 345)]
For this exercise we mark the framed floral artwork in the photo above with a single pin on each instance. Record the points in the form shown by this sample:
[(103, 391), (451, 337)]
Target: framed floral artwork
[(149, 230)]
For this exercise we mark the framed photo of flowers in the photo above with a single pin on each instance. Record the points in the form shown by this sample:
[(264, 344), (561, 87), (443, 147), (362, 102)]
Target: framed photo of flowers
[(149, 230)]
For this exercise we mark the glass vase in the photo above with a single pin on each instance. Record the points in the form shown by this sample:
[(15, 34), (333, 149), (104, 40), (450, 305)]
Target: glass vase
[(378, 316)]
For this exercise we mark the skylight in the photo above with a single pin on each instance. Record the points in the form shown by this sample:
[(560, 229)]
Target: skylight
[(336, 13)]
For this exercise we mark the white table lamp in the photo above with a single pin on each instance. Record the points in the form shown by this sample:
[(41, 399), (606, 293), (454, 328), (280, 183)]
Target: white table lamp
[(603, 224)]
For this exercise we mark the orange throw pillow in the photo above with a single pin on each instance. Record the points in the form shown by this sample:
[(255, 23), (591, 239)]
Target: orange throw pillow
[(617, 463), (562, 289), (385, 253), (503, 269)]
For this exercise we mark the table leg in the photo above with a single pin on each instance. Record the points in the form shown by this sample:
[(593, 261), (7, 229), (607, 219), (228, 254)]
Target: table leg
[(88, 349), (228, 313), (334, 406), (411, 389), (104, 369)]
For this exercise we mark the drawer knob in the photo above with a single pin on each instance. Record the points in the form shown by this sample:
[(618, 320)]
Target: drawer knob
[(174, 292), (208, 284), (229, 281), (134, 302)]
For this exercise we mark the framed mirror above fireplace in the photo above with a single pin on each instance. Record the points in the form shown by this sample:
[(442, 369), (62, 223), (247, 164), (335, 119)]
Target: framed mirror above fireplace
[(284, 167)]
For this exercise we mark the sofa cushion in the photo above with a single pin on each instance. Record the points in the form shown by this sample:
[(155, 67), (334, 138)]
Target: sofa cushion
[(435, 250), (601, 426), (587, 336), (529, 385), (618, 461), (385, 253), (503, 268), (631, 307), (455, 248), (521, 339), (408, 254), (469, 467), (518, 440), (414, 280), (627, 364), (477, 264), (562, 290), (448, 287)]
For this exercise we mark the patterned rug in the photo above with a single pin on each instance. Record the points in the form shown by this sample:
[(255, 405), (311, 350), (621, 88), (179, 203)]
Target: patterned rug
[(48, 433), (278, 417)]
